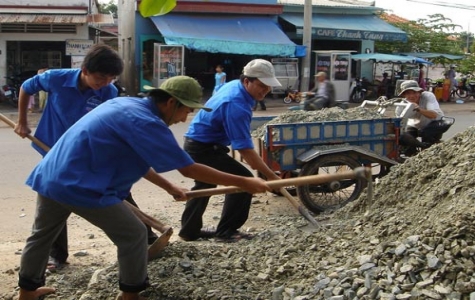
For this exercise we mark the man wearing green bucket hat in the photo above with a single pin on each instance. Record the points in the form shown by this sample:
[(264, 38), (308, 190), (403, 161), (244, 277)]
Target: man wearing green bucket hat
[(116, 144)]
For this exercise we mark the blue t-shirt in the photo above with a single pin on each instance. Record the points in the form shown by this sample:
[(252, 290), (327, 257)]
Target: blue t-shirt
[(96, 161), (66, 103), (217, 78), (229, 123)]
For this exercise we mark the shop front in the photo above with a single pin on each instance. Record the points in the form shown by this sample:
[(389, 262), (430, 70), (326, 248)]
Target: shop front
[(208, 40)]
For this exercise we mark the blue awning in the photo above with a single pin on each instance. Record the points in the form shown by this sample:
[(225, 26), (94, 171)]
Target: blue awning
[(250, 35), (348, 27)]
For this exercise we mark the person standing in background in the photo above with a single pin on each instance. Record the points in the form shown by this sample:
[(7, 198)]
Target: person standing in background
[(219, 78), (42, 95), (422, 78), (451, 75)]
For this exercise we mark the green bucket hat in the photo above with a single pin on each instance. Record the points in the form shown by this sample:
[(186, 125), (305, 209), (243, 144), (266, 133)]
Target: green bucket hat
[(185, 89)]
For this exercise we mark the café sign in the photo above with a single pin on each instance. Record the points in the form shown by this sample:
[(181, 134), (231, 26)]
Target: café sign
[(345, 34)]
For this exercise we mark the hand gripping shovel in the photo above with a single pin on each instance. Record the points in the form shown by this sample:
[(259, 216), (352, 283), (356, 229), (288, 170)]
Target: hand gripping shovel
[(165, 230)]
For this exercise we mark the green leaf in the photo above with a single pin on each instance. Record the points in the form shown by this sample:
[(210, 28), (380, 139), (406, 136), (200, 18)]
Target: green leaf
[(149, 8)]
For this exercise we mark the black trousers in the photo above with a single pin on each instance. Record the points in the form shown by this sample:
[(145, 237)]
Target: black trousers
[(236, 206), (59, 249)]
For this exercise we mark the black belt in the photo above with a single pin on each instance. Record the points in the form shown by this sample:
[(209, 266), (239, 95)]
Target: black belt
[(193, 146)]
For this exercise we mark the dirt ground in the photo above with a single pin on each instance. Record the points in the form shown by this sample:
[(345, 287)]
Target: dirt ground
[(84, 237)]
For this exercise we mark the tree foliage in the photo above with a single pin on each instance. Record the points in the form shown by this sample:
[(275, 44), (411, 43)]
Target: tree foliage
[(435, 34), (109, 7)]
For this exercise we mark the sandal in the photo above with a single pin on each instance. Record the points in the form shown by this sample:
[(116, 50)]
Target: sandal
[(54, 265), (204, 234), (235, 237)]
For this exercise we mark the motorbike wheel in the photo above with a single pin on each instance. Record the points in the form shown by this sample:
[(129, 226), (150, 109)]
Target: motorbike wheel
[(462, 93), (287, 100), (357, 97), (13, 100)]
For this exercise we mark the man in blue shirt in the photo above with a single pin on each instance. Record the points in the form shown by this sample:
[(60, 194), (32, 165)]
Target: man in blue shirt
[(207, 141), (71, 94), (115, 145)]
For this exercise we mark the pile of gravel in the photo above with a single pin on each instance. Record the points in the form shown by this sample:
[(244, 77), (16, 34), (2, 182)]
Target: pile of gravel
[(415, 241), (328, 114)]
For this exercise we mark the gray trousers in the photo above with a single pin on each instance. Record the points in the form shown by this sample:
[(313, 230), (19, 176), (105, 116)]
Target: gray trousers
[(120, 224)]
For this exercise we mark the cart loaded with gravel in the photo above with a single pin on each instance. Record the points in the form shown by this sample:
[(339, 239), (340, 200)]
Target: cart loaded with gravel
[(299, 143)]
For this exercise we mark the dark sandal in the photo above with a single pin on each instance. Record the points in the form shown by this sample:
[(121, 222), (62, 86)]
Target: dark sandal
[(204, 234), (235, 237)]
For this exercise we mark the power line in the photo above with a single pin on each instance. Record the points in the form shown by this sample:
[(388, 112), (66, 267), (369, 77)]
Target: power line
[(446, 4)]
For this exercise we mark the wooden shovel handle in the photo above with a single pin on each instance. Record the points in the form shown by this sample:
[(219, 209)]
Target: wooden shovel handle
[(37, 142), (278, 184)]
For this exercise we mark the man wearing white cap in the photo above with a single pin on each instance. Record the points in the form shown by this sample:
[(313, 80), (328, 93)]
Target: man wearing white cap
[(207, 141)]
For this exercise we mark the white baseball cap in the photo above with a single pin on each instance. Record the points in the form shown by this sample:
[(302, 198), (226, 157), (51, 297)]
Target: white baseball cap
[(262, 70)]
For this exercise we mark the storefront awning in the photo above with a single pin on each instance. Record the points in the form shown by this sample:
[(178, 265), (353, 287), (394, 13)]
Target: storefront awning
[(348, 27), (249, 35)]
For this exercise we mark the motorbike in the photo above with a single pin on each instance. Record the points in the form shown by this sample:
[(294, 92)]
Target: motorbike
[(11, 90), (293, 95), (408, 144), (121, 90), (357, 90), (465, 88), (343, 104)]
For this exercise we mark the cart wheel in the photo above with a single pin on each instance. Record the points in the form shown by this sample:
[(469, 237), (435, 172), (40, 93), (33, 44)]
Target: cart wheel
[(331, 195), (287, 100)]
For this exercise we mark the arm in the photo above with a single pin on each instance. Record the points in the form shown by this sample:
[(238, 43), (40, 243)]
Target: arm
[(426, 113), (207, 174), (21, 127), (155, 178), (430, 106), (223, 79), (256, 163)]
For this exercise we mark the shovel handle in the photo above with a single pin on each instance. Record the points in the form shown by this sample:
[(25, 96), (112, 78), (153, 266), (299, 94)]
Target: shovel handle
[(280, 183), (36, 141)]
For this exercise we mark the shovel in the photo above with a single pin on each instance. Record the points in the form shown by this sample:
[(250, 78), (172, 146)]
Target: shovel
[(280, 184)]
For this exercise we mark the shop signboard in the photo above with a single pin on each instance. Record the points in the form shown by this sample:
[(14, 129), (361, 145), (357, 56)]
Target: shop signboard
[(168, 61), (78, 47)]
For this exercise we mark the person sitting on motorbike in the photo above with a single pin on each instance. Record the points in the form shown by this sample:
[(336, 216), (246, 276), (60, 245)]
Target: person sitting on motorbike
[(324, 93), (424, 123)]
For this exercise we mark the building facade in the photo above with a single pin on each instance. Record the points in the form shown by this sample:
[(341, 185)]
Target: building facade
[(45, 33)]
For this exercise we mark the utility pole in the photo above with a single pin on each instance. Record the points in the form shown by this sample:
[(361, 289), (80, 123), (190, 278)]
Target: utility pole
[(307, 42)]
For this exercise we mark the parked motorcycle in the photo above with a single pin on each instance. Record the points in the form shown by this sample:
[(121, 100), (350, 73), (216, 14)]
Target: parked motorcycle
[(465, 88), (121, 90), (293, 95), (11, 90), (357, 90)]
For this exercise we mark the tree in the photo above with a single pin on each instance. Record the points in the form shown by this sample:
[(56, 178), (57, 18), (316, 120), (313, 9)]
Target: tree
[(110, 7), (435, 34)]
